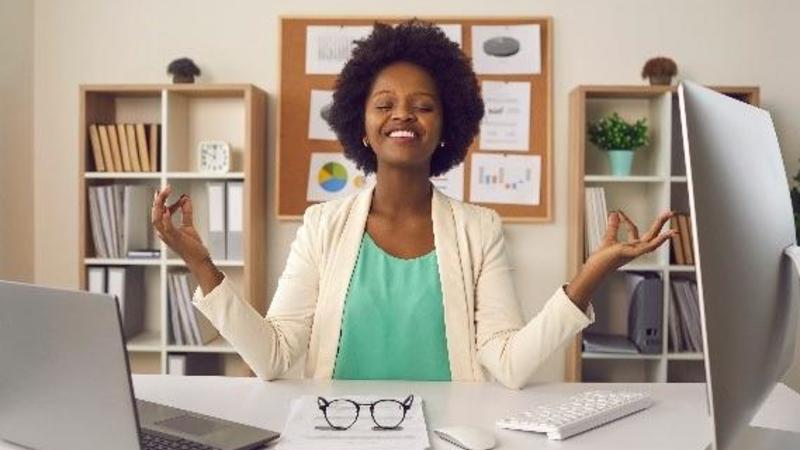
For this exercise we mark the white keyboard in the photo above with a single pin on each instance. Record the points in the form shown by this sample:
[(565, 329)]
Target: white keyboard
[(578, 413)]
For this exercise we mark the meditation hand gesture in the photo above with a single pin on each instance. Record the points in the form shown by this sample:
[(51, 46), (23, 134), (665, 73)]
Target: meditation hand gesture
[(614, 253), (184, 239)]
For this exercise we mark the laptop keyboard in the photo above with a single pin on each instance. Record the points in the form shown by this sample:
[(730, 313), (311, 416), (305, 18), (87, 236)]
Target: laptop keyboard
[(155, 441)]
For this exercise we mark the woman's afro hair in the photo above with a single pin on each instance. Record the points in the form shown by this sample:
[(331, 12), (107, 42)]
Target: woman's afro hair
[(424, 45)]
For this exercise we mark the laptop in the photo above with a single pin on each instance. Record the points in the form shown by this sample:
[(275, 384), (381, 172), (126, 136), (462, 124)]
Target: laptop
[(65, 382)]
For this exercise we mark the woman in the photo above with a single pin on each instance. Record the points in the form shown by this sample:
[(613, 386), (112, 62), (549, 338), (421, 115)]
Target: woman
[(400, 281)]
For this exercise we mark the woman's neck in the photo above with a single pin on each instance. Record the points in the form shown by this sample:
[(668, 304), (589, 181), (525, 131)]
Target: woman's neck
[(401, 193)]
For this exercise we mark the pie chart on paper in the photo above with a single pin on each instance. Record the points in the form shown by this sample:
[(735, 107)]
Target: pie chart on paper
[(332, 177)]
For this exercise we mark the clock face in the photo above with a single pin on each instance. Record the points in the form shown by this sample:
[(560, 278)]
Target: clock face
[(214, 156)]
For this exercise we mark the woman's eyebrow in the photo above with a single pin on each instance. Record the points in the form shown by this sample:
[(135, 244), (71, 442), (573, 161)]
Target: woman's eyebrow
[(386, 91)]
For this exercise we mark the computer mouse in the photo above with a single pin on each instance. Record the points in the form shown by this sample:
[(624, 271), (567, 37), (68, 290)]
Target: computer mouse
[(467, 437)]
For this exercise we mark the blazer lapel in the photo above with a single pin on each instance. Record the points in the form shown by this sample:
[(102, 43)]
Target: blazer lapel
[(454, 295), (338, 280)]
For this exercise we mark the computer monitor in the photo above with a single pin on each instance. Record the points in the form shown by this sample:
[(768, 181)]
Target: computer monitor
[(748, 288)]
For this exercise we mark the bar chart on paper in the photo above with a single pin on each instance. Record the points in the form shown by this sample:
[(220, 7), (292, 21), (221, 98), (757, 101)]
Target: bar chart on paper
[(508, 179)]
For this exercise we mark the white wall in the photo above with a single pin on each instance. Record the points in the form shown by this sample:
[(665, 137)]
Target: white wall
[(16, 140), (734, 42)]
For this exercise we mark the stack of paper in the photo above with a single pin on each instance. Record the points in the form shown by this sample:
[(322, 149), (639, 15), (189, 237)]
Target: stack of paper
[(307, 429)]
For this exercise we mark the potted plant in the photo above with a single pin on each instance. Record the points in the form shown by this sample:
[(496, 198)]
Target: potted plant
[(660, 71), (619, 139), (795, 194), (183, 70)]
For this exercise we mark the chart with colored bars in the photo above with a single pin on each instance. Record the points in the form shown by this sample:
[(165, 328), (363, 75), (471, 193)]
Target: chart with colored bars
[(506, 179), (500, 178)]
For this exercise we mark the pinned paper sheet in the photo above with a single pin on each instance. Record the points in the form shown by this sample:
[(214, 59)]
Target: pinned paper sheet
[(451, 183), (452, 31), (319, 109), (333, 176), (507, 118), (329, 47), (506, 179), (510, 49)]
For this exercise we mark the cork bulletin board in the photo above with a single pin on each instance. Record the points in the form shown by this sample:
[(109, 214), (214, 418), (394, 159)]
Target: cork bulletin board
[(295, 147)]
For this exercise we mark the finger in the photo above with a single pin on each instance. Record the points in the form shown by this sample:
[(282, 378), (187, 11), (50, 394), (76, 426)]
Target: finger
[(187, 212), (174, 207), (166, 223), (612, 228), (647, 247), (159, 199), (658, 225), (633, 231)]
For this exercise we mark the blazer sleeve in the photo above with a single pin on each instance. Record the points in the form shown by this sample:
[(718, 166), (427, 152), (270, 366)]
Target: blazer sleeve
[(271, 345), (509, 348)]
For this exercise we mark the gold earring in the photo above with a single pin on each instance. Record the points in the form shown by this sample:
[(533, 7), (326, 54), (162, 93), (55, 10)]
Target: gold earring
[(365, 143)]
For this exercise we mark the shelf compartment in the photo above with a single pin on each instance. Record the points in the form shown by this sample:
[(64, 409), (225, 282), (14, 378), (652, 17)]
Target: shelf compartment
[(623, 370), (195, 117)]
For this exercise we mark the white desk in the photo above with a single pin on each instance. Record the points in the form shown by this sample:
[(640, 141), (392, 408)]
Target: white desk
[(678, 420)]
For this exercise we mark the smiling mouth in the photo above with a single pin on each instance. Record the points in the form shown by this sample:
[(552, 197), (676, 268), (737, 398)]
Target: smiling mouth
[(402, 135)]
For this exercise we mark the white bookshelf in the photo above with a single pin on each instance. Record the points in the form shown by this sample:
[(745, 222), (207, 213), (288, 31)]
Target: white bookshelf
[(187, 114), (657, 183)]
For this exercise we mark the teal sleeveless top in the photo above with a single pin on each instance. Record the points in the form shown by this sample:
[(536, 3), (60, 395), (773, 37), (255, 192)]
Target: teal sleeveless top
[(393, 319)]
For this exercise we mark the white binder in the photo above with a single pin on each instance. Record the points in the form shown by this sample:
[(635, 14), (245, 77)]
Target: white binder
[(235, 205), (127, 284), (216, 220), (97, 280)]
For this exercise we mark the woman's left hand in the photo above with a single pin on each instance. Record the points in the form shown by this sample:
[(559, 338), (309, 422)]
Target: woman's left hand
[(614, 253)]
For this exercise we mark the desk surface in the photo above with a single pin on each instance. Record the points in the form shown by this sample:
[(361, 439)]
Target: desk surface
[(678, 420)]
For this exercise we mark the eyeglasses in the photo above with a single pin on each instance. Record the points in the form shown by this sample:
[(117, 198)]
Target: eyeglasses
[(342, 413)]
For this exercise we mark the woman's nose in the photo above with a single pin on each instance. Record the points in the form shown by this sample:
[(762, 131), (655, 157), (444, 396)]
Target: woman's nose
[(404, 114)]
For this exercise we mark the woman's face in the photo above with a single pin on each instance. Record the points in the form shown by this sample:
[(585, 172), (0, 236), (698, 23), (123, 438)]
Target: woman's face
[(403, 116)]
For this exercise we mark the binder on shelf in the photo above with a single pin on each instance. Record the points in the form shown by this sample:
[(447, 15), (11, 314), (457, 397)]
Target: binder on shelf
[(608, 343), (596, 218), (687, 333), (130, 132), (153, 147), (235, 203), (106, 147), (127, 284), (141, 142), (118, 192), (203, 331), (123, 146), (96, 280), (97, 152), (115, 153), (105, 197), (217, 240), (176, 364), (137, 226), (95, 219), (189, 326), (193, 364), (176, 327)]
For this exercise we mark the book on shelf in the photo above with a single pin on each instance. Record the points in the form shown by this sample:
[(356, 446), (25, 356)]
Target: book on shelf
[(188, 325), (676, 243), (97, 151), (125, 147), (106, 147), (141, 142), (144, 254), (130, 134), (119, 217), (217, 239), (234, 231), (127, 285), (596, 218)]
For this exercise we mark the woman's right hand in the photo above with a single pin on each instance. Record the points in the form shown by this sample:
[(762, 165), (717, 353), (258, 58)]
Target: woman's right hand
[(184, 239)]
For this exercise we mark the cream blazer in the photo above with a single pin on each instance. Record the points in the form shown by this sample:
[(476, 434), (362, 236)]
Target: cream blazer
[(486, 335)]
